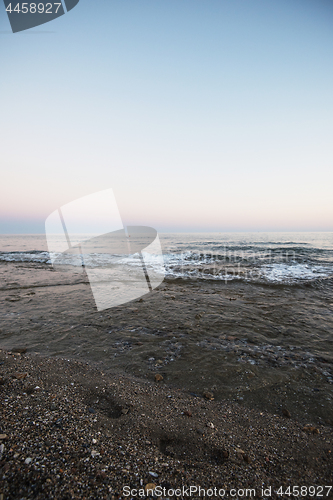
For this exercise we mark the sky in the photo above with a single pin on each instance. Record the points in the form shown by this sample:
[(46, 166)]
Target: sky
[(201, 115)]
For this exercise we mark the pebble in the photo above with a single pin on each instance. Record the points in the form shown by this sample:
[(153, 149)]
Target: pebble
[(3, 436), (158, 377), (310, 429), (188, 413), (28, 461), (208, 395), (286, 413), (20, 350), (20, 376), (91, 410), (211, 425), (150, 486), (153, 474)]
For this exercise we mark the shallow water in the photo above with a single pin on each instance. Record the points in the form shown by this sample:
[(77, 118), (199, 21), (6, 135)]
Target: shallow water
[(264, 342)]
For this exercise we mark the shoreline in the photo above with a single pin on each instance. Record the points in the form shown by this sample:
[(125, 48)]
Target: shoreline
[(265, 347), (74, 431)]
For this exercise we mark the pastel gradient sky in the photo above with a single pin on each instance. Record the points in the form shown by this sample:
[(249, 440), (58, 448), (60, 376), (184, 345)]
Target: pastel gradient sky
[(202, 115)]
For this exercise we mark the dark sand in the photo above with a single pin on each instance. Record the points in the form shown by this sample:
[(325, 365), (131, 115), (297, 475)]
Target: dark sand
[(71, 431)]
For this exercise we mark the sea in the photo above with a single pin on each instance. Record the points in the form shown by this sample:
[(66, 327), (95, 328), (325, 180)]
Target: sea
[(258, 257)]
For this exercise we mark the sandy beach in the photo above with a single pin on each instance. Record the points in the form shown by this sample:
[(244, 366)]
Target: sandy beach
[(71, 431)]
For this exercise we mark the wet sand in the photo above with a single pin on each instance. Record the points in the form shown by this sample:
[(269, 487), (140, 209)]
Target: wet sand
[(69, 430)]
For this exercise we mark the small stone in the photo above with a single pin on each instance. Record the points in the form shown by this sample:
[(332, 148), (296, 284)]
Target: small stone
[(94, 453), (158, 377), (286, 413), (230, 337), (150, 486), (2, 381), (188, 413), (94, 441), (3, 436), (58, 422), (28, 461), (20, 376), (153, 474), (124, 411), (20, 350), (211, 425), (247, 459), (198, 316), (310, 429), (208, 395), (91, 410)]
